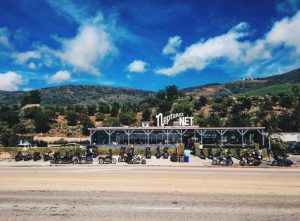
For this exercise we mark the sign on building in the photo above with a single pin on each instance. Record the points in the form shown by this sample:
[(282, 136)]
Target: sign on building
[(183, 121)]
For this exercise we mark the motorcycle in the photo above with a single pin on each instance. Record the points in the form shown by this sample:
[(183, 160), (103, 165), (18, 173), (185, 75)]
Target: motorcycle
[(148, 153), (46, 156), (281, 160), (209, 154), (158, 154), (166, 153), (19, 156), (79, 159), (253, 159), (138, 159), (219, 159), (57, 159), (28, 157), (122, 155), (36, 156), (202, 155), (107, 159)]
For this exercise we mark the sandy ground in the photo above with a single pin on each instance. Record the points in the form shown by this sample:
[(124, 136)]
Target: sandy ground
[(112, 192)]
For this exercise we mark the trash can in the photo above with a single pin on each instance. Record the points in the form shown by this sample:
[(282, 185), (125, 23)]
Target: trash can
[(187, 154)]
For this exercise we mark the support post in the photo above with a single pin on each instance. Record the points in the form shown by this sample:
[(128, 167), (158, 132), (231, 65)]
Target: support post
[(148, 132), (167, 132), (242, 133), (201, 133), (181, 132), (128, 132), (262, 132), (92, 132), (109, 133), (221, 132)]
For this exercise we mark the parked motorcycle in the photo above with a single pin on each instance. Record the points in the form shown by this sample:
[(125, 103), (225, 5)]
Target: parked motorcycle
[(158, 153), (36, 156), (165, 153), (79, 159), (109, 159), (46, 156), (148, 153), (122, 155), (219, 159), (28, 157), (202, 155), (57, 159), (281, 160), (19, 156), (251, 159), (138, 159), (209, 154)]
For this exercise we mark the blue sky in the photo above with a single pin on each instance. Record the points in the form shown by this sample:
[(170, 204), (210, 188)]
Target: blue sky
[(145, 44)]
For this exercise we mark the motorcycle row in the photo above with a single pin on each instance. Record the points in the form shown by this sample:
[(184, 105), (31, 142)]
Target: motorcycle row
[(254, 158), (128, 155)]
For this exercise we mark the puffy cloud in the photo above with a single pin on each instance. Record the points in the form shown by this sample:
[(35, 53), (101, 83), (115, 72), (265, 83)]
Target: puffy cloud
[(4, 37), (10, 81), (91, 45), (286, 32), (137, 66), (172, 46), (23, 57), (199, 55), (234, 48), (59, 77), (32, 65)]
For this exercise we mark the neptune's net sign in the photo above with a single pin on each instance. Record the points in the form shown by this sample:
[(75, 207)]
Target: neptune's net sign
[(164, 121)]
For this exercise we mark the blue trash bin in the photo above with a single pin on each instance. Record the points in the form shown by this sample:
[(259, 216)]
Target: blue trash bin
[(186, 159), (187, 154)]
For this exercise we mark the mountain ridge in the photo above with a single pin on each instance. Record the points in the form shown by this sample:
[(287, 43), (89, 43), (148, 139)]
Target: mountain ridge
[(89, 94)]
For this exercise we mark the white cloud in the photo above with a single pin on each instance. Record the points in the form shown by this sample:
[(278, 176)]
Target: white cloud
[(199, 55), (59, 77), (10, 81), (234, 48), (4, 37), (89, 47), (172, 46), (23, 57), (32, 65), (286, 32), (137, 66)]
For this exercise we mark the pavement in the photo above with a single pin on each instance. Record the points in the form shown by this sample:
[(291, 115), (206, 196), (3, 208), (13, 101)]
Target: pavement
[(140, 192)]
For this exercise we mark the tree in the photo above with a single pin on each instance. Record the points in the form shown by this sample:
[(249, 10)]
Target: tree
[(103, 108), (127, 118), (111, 122), (146, 115), (200, 103), (99, 116), (184, 108), (213, 120), (239, 120), (11, 117), (86, 123), (114, 111), (32, 97), (72, 118), (42, 122), (91, 109)]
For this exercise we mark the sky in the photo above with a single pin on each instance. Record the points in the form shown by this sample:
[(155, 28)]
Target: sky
[(145, 44)]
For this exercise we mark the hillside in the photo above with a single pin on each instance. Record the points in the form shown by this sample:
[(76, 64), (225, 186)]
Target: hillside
[(80, 94), (259, 86), (93, 94)]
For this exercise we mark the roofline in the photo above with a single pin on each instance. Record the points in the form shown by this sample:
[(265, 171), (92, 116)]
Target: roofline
[(176, 128)]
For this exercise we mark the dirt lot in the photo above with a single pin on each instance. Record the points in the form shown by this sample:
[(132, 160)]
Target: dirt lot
[(105, 192)]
